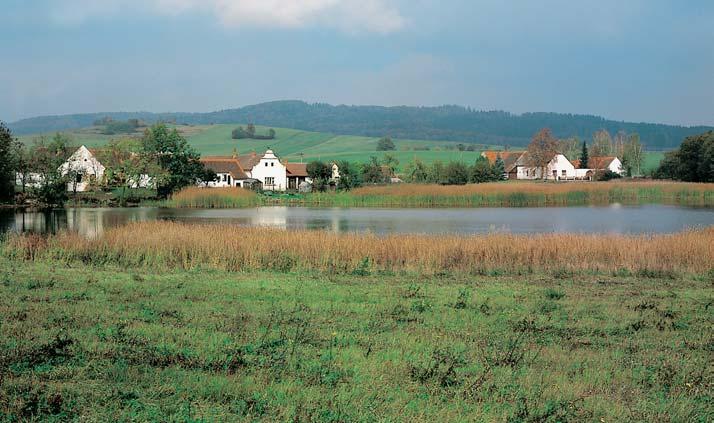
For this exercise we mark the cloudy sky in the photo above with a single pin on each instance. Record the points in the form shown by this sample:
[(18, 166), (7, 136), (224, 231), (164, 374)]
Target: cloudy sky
[(635, 60)]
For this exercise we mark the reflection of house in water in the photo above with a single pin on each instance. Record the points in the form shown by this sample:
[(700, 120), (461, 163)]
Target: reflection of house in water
[(275, 217)]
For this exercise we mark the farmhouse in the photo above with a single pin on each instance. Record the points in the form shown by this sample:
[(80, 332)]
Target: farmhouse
[(83, 169), (517, 166), (509, 160), (602, 164), (266, 170)]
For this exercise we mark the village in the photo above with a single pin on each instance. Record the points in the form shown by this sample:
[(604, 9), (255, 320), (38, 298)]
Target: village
[(84, 171)]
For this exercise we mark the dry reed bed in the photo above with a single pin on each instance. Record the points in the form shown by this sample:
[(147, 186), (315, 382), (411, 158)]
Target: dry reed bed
[(536, 188), (176, 245), (198, 197)]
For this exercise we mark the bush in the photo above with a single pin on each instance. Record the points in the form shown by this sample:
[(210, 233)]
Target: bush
[(608, 175)]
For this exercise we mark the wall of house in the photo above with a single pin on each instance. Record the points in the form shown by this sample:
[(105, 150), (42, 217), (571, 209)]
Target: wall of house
[(560, 164), (616, 166), (270, 167), (87, 168)]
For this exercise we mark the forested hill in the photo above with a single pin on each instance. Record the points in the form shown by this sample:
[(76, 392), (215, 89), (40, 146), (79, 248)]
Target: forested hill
[(443, 123)]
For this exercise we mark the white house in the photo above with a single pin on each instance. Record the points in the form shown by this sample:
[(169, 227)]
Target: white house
[(267, 169), (558, 168), (270, 172), (84, 170), (600, 164)]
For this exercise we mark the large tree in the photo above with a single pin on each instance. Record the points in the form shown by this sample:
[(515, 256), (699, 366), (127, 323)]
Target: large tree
[(7, 164), (174, 156), (584, 156), (46, 158), (541, 151), (692, 162), (127, 166), (602, 144), (385, 144)]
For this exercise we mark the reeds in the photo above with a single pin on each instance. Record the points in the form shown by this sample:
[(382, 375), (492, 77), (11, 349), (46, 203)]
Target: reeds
[(496, 194), (530, 193), (198, 197), (184, 246)]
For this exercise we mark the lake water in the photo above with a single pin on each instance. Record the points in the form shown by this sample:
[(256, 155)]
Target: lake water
[(615, 218)]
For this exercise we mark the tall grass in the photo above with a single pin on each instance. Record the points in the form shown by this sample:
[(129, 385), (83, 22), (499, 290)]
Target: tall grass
[(176, 245), (197, 197), (498, 194)]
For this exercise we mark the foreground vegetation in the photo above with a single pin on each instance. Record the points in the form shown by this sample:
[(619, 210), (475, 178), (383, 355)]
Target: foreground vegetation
[(111, 342), (169, 245), (501, 194)]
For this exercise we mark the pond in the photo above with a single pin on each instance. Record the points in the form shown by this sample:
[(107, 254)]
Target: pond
[(615, 218)]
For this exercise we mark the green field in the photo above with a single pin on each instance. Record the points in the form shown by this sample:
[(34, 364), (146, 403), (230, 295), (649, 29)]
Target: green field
[(80, 342), (297, 145)]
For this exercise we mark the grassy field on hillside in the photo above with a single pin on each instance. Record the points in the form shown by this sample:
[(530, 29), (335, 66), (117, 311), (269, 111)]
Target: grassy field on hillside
[(296, 145), (118, 343)]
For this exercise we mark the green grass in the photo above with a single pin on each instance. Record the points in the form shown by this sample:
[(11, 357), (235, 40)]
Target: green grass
[(652, 160), (79, 342)]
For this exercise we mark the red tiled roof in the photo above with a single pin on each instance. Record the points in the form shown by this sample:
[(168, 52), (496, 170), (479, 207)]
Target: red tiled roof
[(296, 169), (509, 157), (596, 162), (221, 164)]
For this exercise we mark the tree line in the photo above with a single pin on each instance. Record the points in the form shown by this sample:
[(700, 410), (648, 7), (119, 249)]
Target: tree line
[(249, 132), (162, 156), (447, 123)]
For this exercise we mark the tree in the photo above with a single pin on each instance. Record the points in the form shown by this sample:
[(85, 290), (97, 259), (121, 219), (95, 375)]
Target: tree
[(481, 171), (437, 174), (175, 158), (499, 168), (250, 130), (46, 158), (569, 147), (8, 163), (126, 165), (692, 162), (385, 144), (372, 172), (22, 159), (584, 159), (633, 155), (350, 175), (238, 133), (390, 163), (457, 173), (321, 173), (417, 171), (541, 150), (271, 133), (602, 144)]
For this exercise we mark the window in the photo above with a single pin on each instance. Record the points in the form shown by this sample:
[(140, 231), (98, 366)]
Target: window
[(563, 172), (269, 180), (272, 164), (78, 178), (555, 172), (266, 164)]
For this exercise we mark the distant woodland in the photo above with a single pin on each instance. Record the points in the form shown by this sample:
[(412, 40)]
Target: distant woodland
[(454, 123)]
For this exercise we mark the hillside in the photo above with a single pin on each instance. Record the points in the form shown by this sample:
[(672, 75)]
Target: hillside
[(295, 145), (451, 123)]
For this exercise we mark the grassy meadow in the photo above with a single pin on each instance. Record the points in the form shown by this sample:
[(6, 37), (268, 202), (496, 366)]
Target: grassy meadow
[(297, 145), (497, 194), (153, 323)]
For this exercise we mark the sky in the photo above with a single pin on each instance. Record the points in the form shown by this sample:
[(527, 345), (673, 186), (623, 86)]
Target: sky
[(632, 60)]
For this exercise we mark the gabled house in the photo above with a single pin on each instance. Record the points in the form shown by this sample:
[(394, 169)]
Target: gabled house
[(265, 169), (559, 167), (509, 160), (603, 163), (83, 169)]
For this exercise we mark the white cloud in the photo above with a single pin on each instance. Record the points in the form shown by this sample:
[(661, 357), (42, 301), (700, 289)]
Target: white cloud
[(352, 16)]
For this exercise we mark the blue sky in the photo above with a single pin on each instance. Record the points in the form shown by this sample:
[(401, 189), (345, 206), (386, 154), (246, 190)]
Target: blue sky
[(635, 60)]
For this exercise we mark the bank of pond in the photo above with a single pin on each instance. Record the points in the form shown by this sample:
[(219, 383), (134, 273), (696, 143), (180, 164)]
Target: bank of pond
[(499, 194)]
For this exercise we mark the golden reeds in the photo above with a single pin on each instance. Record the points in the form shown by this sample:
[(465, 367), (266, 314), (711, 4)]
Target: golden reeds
[(185, 246), (199, 197)]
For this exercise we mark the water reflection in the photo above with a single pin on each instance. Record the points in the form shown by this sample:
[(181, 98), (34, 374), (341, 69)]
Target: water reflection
[(612, 219)]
